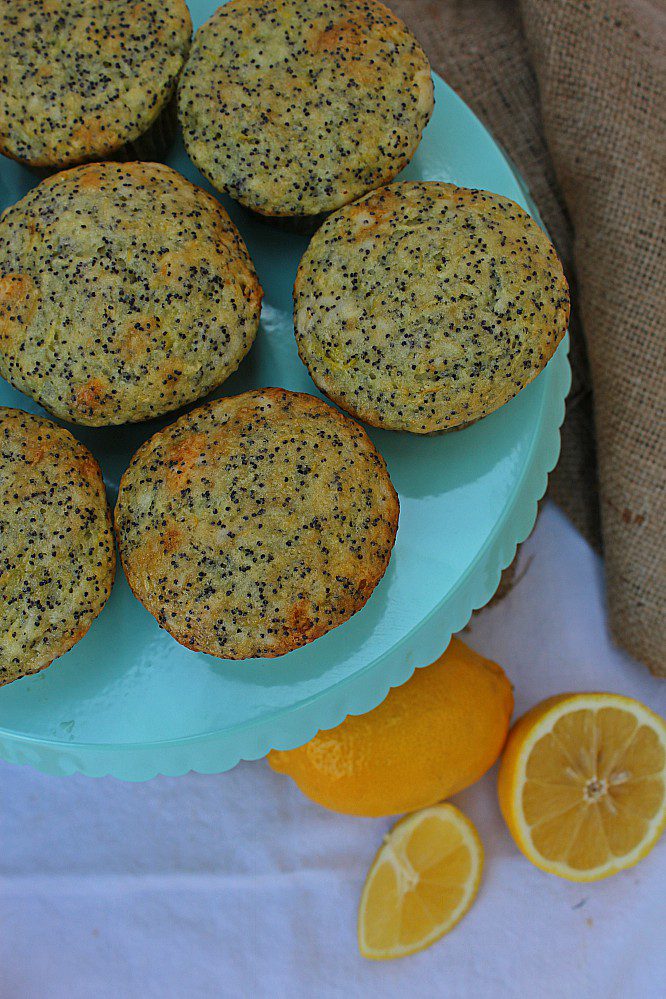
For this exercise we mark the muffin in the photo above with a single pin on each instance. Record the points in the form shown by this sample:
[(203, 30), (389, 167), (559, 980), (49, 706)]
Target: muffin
[(57, 556), (87, 79), (296, 107), (125, 292), (255, 524), (425, 306)]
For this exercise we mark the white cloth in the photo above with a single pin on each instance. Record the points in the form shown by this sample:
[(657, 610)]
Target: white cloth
[(236, 885)]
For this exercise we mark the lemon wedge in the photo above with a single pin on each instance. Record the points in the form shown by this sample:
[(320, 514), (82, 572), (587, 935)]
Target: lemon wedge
[(421, 883)]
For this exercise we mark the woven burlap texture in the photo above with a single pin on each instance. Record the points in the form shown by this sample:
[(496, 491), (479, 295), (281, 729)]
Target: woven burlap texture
[(573, 90)]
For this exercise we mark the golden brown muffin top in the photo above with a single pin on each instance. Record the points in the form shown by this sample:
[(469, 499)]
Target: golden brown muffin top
[(57, 554), (81, 78), (295, 107), (425, 306), (255, 524), (125, 292)]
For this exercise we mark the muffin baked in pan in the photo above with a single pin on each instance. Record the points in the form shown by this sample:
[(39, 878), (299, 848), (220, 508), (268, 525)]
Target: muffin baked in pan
[(57, 554), (296, 107), (255, 524), (125, 292), (85, 79), (425, 306)]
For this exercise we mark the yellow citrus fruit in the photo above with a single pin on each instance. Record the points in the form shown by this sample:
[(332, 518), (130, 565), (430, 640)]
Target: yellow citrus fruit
[(433, 736), (582, 784), (422, 882)]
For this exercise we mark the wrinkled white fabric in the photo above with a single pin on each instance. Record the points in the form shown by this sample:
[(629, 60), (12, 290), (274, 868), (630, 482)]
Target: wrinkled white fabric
[(236, 885)]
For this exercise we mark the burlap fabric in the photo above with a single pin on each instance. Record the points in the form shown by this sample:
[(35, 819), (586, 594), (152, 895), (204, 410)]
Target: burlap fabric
[(574, 92)]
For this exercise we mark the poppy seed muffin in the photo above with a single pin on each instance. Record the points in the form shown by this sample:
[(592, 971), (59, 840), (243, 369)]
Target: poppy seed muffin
[(295, 107), (255, 524), (125, 292), (82, 79), (57, 555), (425, 306)]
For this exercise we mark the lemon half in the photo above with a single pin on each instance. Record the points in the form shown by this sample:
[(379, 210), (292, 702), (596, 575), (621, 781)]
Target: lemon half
[(582, 784)]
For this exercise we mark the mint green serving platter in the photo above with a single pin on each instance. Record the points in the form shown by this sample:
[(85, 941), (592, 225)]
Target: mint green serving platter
[(129, 701)]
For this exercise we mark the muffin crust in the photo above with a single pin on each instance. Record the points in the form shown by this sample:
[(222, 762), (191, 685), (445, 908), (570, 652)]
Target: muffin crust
[(426, 306), (57, 554), (255, 524), (295, 107), (125, 292), (81, 78)]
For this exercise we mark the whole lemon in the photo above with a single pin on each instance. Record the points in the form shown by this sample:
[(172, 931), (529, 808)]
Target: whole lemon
[(433, 736)]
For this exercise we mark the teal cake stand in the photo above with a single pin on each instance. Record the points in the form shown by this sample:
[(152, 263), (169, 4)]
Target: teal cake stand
[(129, 701)]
